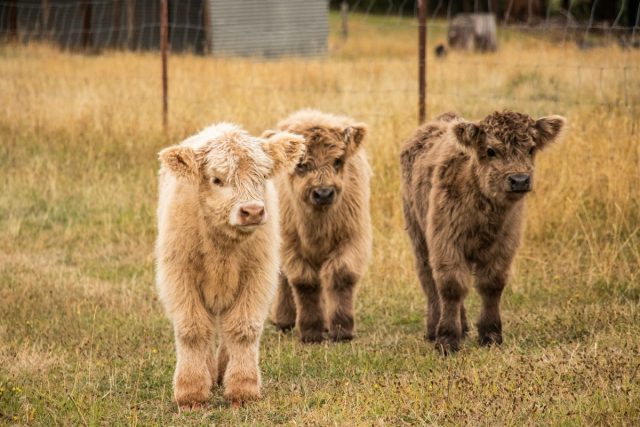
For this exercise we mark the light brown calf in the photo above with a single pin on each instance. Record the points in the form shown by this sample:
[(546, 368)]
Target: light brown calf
[(217, 254), (463, 188), (326, 227)]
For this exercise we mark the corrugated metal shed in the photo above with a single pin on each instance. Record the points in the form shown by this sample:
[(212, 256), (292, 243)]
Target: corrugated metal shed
[(269, 28), (266, 28)]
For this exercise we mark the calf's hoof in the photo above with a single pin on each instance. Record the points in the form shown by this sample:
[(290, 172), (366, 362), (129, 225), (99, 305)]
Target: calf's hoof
[(447, 348), (190, 398), (489, 335), (340, 334), (447, 343), (195, 406), (283, 327), (430, 334), (490, 339), (311, 337), (192, 390), (241, 391)]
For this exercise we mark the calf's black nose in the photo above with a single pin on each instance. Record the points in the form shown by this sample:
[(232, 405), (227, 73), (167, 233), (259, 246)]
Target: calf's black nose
[(520, 182), (323, 195)]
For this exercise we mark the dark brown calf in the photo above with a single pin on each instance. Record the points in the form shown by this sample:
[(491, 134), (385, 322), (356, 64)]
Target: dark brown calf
[(326, 227), (463, 188)]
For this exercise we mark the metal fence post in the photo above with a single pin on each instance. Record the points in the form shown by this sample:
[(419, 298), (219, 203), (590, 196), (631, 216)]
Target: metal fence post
[(164, 39), (344, 11), (422, 60)]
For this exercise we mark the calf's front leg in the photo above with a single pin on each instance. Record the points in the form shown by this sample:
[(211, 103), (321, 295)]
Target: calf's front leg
[(339, 289), (339, 276), (452, 289), (490, 287), (238, 356), (309, 316), (195, 365), (303, 280)]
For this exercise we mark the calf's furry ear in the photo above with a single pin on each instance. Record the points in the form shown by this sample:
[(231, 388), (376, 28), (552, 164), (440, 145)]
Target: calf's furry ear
[(467, 134), (548, 129), (268, 134), (285, 149), (181, 162), (353, 136)]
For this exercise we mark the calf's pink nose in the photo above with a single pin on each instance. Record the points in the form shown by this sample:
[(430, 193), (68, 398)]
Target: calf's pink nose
[(251, 214)]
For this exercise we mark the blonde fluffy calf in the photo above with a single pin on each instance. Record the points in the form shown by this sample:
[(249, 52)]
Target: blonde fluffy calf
[(217, 254)]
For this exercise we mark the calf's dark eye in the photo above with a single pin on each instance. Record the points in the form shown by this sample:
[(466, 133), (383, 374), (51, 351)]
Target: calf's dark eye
[(491, 152), (338, 164), (301, 168), (217, 181), (532, 150)]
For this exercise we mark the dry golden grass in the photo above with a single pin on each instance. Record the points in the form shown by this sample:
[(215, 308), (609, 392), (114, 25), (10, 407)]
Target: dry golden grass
[(83, 339)]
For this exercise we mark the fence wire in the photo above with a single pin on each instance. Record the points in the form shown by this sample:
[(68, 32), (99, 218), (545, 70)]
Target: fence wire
[(601, 67)]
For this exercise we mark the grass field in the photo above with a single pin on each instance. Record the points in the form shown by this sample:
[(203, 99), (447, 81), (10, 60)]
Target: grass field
[(83, 339)]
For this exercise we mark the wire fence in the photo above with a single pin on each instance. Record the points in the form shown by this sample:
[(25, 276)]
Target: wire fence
[(601, 67), (135, 24)]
